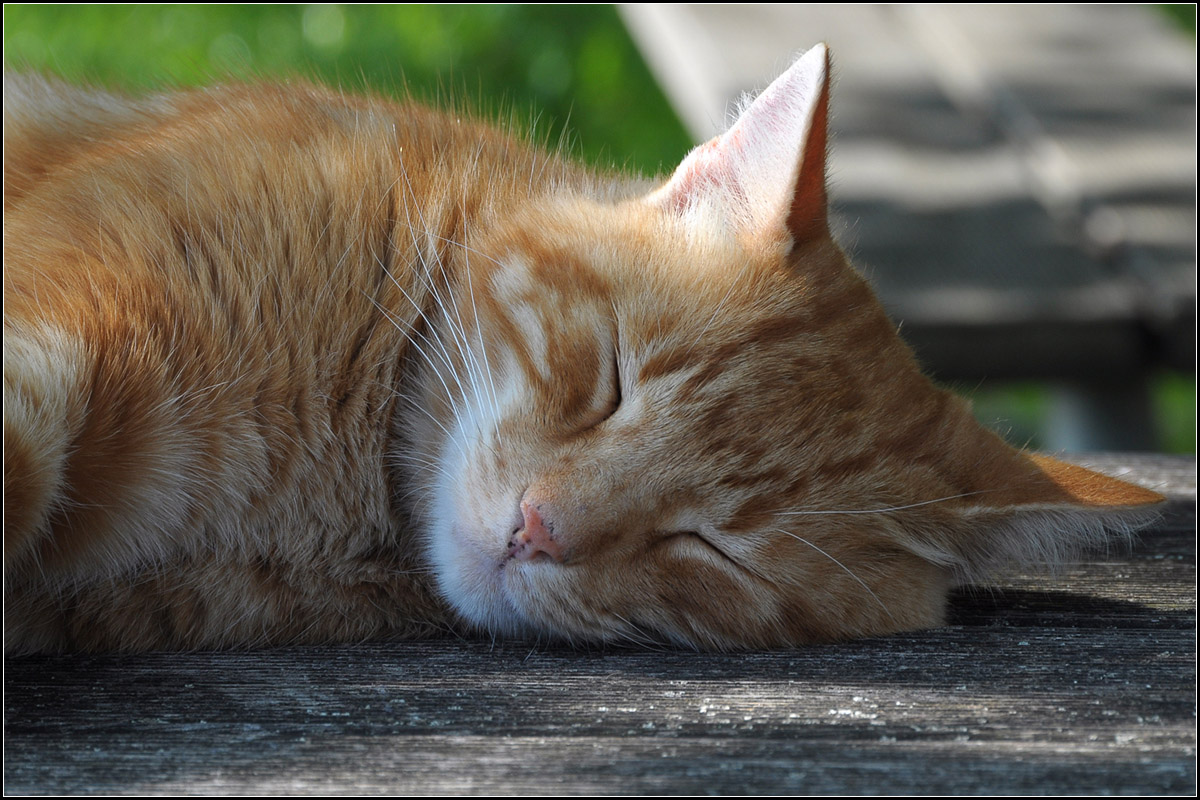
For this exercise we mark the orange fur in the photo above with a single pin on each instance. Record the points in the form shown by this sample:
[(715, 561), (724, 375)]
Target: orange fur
[(283, 365)]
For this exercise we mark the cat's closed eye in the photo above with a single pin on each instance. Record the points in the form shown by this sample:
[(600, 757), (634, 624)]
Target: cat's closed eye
[(693, 542), (286, 365), (610, 391)]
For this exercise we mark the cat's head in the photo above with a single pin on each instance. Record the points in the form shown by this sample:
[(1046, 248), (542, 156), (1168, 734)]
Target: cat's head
[(684, 417)]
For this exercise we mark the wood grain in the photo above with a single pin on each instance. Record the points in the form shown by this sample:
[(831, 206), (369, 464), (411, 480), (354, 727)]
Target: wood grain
[(1084, 683)]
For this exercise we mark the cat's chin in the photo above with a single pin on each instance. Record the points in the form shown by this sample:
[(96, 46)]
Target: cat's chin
[(474, 576)]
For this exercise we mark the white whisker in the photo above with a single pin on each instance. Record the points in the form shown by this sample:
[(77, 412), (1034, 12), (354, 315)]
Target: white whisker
[(883, 510), (847, 570)]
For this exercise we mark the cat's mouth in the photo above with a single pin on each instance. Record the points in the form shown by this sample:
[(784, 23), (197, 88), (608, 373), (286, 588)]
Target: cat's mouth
[(493, 584), (534, 597)]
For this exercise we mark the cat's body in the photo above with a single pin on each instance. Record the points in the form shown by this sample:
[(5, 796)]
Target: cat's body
[(287, 366)]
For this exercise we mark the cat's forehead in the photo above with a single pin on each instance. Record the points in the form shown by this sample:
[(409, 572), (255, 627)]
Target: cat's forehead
[(636, 263)]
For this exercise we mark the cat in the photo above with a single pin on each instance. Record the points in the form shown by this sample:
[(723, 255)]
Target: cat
[(288, 366)]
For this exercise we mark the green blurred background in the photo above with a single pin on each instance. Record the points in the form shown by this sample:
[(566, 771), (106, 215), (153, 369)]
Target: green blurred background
[(574, 66), (569, 72)]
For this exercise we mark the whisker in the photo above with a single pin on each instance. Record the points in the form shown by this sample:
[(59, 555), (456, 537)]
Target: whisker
[(847, 570), (450, 311), (483, 348), (437, 373), (885, 510)]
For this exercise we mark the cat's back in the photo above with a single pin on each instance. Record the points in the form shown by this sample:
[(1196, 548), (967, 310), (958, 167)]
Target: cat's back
[(197, 208), (57, 134), (284, 179), (49, 123)]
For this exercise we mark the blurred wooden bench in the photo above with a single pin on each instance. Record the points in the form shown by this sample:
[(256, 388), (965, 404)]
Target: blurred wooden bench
[(1018, 181), (1082, 684)]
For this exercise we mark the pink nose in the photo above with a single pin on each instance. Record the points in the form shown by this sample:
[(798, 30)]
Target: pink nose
[(535, 537)]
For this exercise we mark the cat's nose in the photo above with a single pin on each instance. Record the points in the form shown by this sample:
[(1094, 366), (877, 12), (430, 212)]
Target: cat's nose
[(535, 538)]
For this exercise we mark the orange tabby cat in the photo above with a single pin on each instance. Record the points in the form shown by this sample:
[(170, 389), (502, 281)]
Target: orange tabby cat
[(283, 365)]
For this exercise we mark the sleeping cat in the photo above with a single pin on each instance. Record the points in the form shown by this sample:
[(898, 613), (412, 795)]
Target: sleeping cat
[(283, 365)]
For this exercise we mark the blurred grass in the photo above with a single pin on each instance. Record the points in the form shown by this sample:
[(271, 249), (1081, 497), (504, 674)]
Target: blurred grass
[(1021, 411), (575, 65), (1174, 399), (572, 64)]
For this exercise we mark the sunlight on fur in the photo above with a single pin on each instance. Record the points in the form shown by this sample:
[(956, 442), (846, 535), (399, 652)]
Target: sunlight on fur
[(284, 365)]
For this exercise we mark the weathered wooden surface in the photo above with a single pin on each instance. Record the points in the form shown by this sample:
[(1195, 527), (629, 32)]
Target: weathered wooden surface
[(1084, 683)]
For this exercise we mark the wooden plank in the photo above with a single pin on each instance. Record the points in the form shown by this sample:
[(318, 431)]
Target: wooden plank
[(1084, 683)]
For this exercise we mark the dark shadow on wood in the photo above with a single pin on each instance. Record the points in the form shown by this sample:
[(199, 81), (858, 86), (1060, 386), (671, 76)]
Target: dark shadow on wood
[(1080, 684), (977, 606)]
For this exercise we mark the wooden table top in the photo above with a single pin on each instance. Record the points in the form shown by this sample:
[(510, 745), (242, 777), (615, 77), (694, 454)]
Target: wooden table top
[(1080, 684)]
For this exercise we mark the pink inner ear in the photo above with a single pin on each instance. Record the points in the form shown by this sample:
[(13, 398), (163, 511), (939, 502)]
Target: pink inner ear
[(766, 175), (704, 172)]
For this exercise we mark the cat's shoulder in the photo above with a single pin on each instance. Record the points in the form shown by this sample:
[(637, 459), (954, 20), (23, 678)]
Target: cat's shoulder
[(39, 107), (52, 124)]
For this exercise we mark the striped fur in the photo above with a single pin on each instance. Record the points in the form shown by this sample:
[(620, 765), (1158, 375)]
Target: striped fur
[(283, 365)]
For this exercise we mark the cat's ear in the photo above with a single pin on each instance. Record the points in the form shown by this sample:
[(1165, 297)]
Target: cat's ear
[(1035, 511), (764, 178)]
